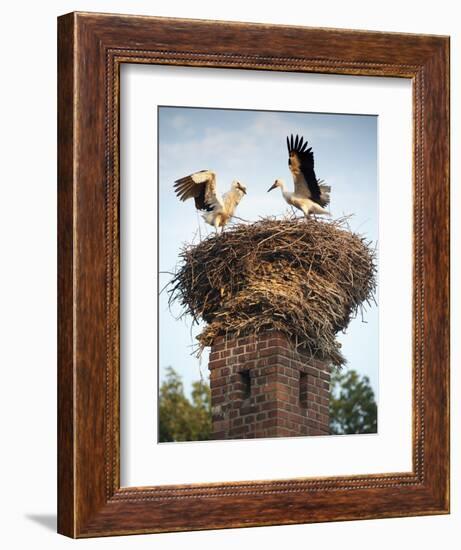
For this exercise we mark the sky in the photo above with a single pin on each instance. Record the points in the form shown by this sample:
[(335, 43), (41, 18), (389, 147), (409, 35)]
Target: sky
[(251, 146)]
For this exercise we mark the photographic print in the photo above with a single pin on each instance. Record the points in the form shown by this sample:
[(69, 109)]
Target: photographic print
[(268, 271)]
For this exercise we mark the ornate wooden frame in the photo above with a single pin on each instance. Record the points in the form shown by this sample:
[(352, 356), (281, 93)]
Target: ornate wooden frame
[(91, 48)]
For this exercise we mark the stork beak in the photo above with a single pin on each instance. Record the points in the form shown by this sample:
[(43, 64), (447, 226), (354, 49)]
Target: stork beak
[(241, 188), (274, 185)]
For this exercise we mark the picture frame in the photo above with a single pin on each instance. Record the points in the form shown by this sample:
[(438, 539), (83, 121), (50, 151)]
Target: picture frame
[(91, 49)]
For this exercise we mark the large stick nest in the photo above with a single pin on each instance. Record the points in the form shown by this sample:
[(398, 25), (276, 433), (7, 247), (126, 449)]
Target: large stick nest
[(305, 278)]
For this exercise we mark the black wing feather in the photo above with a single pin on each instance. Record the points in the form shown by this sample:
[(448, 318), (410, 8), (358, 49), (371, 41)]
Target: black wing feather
[(306, 159), (186, 188), (200, 202)]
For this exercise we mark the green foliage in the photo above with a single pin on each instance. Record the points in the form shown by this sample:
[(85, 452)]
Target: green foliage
[(353, 407), (181, 419)]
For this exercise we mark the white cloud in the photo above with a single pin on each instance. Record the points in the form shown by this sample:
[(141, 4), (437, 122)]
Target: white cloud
[(178, 122)]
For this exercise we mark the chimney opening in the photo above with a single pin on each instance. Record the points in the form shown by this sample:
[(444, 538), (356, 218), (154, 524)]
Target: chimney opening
[(246, 384), (303, 390)]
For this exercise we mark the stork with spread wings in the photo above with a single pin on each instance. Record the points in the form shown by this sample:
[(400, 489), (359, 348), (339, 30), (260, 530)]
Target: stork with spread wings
[(201, 186), (310, 194)]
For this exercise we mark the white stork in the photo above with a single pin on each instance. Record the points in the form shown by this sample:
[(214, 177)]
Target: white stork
[(201, 186), (309, 196)]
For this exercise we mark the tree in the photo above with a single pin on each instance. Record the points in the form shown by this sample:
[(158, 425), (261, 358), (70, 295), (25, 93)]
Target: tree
[(181, 419), (353, 407)]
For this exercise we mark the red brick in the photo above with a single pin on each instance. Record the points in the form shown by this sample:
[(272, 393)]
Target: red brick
[(268, 370), (217, 364), (219, 344), (218, 399), (268, 423), (214, 356), (218, 381), (272, 350), (247, 363), (278, 360), (219, 423), (280, 342), (235, 396), (311, 371), (241, 430)]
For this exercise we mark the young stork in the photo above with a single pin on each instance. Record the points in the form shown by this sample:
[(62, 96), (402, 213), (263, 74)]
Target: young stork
[(201, 186), (309, 196)]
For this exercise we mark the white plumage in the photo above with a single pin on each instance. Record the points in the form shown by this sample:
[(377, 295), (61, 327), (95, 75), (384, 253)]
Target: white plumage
[(310, 195), (201, 186)]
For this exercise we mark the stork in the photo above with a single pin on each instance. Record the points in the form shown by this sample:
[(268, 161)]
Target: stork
[(201, 186), (310, 195)]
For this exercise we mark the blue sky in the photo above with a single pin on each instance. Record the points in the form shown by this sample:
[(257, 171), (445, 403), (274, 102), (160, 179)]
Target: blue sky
[(250, 146)]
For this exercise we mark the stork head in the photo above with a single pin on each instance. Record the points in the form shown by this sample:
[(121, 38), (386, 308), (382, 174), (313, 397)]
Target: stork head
[(239, 186), (277, 183)]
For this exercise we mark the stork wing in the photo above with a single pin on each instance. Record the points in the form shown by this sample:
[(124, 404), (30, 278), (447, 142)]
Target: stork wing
[(301, 163), (201, 186)]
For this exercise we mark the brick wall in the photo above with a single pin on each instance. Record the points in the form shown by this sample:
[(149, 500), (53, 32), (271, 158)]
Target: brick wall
[(261, 386)]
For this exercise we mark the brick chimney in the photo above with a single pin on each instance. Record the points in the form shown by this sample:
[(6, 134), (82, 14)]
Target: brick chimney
[(262, 386)]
